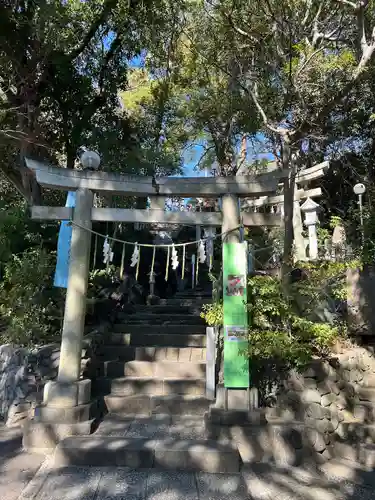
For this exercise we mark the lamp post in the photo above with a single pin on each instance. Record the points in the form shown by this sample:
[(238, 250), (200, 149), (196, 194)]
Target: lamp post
[(360, 189)]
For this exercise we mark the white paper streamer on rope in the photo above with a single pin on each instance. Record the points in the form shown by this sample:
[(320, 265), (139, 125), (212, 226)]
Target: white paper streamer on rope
[(107, 252), (174, 258), (209, 234), (201, 252), (135, 256)]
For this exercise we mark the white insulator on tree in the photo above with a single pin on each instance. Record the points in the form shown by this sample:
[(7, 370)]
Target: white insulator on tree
[(174, 258), (107, 252), (135, 256), (201, 252)]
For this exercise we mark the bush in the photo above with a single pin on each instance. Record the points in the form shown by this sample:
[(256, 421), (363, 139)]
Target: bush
[(287, 331), (29, 304)]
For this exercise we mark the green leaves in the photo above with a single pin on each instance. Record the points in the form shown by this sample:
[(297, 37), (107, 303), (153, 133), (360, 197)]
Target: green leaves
[(31, 307), (284, 329), (213, 313)]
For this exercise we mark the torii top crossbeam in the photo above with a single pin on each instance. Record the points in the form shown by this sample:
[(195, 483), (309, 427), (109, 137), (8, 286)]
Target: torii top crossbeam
[(209, 187)]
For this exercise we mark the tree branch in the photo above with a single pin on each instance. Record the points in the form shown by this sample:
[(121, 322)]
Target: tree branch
[(307, 61), (204, 154), (107, 8), (239, 30), (272, 128), (110, 54), (362, 29), (347, 2)]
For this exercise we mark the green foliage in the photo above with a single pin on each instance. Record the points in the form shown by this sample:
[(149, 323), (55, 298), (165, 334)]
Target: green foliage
[(213, 313), (286, 330), (29, 305), (335, 221)]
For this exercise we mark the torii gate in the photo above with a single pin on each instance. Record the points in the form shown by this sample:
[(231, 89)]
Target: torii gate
[(68, 392)]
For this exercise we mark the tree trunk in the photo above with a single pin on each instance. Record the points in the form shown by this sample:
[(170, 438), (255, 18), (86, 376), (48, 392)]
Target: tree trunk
[(299, 243), (30, 188), (289, 184)]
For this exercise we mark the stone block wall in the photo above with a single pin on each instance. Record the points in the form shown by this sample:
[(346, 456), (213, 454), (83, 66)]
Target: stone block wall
[(24, 372), (15, 383), (328, 396)]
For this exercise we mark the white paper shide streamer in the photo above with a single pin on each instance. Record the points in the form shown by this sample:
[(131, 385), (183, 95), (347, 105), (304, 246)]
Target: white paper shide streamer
[(209, 234), (174, 258), (107, 252), (135, 256), (201, 252)]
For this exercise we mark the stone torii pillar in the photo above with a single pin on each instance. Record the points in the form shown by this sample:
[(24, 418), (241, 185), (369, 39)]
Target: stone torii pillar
[(75, 304), (66, 404)]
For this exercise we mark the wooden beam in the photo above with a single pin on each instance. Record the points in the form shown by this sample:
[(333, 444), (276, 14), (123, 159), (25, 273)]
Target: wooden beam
[(276, 200), (153, 216)]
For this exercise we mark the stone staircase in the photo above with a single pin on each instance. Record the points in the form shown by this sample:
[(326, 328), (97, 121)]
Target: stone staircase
[(155, 363), (154, 384)]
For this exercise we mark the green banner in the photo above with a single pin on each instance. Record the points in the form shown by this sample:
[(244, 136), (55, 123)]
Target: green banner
[(236, 365)]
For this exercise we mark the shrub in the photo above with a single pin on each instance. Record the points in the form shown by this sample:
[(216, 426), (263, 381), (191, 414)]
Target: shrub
[(29, 304), (287, 330)]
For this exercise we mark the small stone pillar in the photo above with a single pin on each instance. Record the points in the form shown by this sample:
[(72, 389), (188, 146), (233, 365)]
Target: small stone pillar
[(310, 209), (67, 409)]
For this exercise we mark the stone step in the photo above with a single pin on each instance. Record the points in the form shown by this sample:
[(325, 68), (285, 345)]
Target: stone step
[(148, 405), (195, 309), (186, 301), (174, 319), (167, 454), (182, 354), (194, 293), (152, 328), (153, 340), (131, 386), (116, 368), (165, 369)]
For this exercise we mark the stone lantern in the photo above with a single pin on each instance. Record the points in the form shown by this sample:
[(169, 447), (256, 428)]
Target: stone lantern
[(311, 209)]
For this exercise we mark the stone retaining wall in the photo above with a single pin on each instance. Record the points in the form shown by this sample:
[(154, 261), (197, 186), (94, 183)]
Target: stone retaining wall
[(327, 396), (24, 372)]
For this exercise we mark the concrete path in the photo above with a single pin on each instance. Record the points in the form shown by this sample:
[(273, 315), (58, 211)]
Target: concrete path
[(17, 467), (74, 483), (26, 476)]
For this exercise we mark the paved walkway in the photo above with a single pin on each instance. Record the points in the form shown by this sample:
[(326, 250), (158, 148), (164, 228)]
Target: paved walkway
[(74, 483), (17, 467), (26, 476)]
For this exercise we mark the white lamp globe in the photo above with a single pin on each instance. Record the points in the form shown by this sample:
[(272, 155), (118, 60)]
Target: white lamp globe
[(90, 160), (359, 189)]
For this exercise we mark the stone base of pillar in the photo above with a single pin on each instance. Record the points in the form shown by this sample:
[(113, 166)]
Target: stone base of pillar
[(67, 395), (67, 410), (43, 437), (236, 407)]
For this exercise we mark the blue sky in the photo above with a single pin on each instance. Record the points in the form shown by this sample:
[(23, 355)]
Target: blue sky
[(192, 155)]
